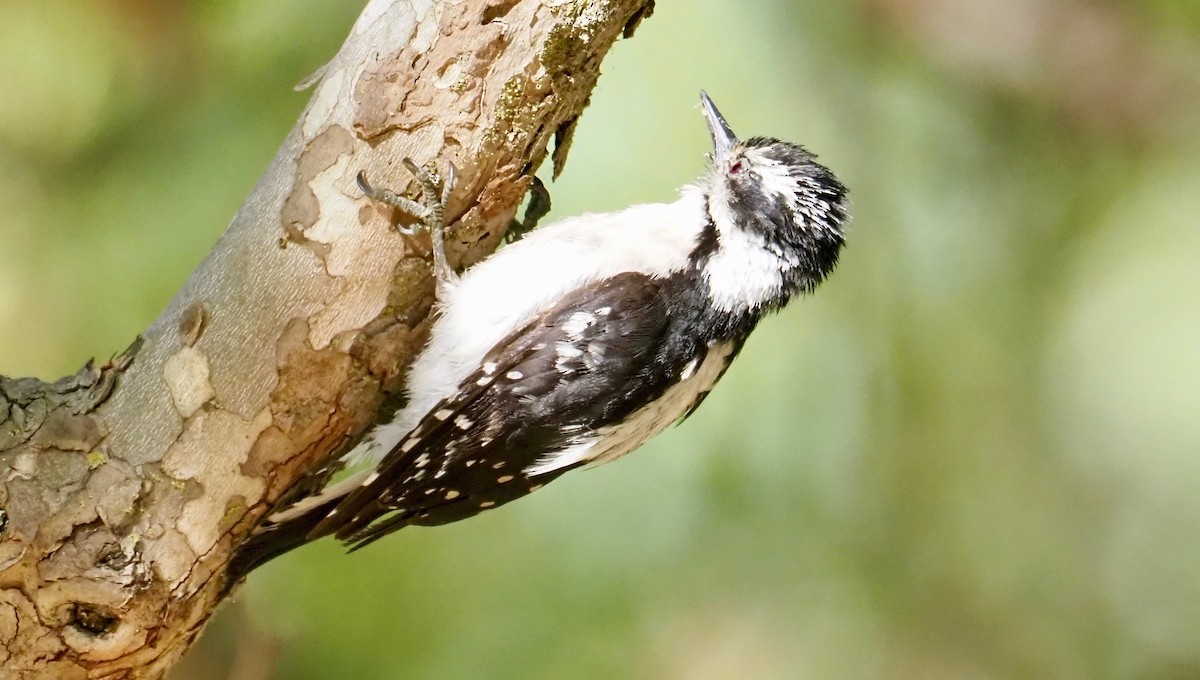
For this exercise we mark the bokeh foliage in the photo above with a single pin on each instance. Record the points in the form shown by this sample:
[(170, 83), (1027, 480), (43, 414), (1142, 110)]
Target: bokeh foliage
[(975, 453)]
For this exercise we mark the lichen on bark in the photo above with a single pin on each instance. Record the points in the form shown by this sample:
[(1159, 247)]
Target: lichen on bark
[(125, 487)]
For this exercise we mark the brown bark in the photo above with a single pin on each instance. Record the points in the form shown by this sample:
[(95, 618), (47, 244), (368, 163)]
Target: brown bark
[(124, 488)]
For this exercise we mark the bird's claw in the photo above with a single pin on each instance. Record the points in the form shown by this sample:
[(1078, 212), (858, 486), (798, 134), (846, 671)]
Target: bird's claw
[(431, 211)]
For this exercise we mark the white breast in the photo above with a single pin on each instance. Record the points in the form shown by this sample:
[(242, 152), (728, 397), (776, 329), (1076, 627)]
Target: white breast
[(525, 278)]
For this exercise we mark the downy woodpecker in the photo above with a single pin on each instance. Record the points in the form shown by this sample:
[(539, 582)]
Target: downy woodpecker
[(576, 344)]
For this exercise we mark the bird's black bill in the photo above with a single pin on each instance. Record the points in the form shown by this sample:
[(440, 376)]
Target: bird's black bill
[(723, 137)]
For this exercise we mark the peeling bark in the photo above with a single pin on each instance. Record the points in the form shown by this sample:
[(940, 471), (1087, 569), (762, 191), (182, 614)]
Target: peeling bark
[(124, 488)]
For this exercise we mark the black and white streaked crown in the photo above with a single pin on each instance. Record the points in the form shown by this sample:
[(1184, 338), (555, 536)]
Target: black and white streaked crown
[(775, 194)]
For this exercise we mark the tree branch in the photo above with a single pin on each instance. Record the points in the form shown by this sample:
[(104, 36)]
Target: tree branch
[(124, 488)]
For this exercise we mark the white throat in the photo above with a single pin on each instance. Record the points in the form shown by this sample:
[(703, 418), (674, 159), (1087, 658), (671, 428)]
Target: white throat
[(743, 273)]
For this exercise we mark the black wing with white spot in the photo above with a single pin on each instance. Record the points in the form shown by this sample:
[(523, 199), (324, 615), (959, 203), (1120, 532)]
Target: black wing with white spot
[(589, 361)]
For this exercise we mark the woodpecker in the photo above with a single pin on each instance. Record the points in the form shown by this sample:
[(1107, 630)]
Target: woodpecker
[(574, 345)]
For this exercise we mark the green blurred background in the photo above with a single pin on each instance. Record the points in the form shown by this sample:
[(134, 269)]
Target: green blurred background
[(975, 453)]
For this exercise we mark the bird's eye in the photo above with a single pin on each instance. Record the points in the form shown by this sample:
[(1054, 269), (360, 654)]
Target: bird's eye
[(738, 167)]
